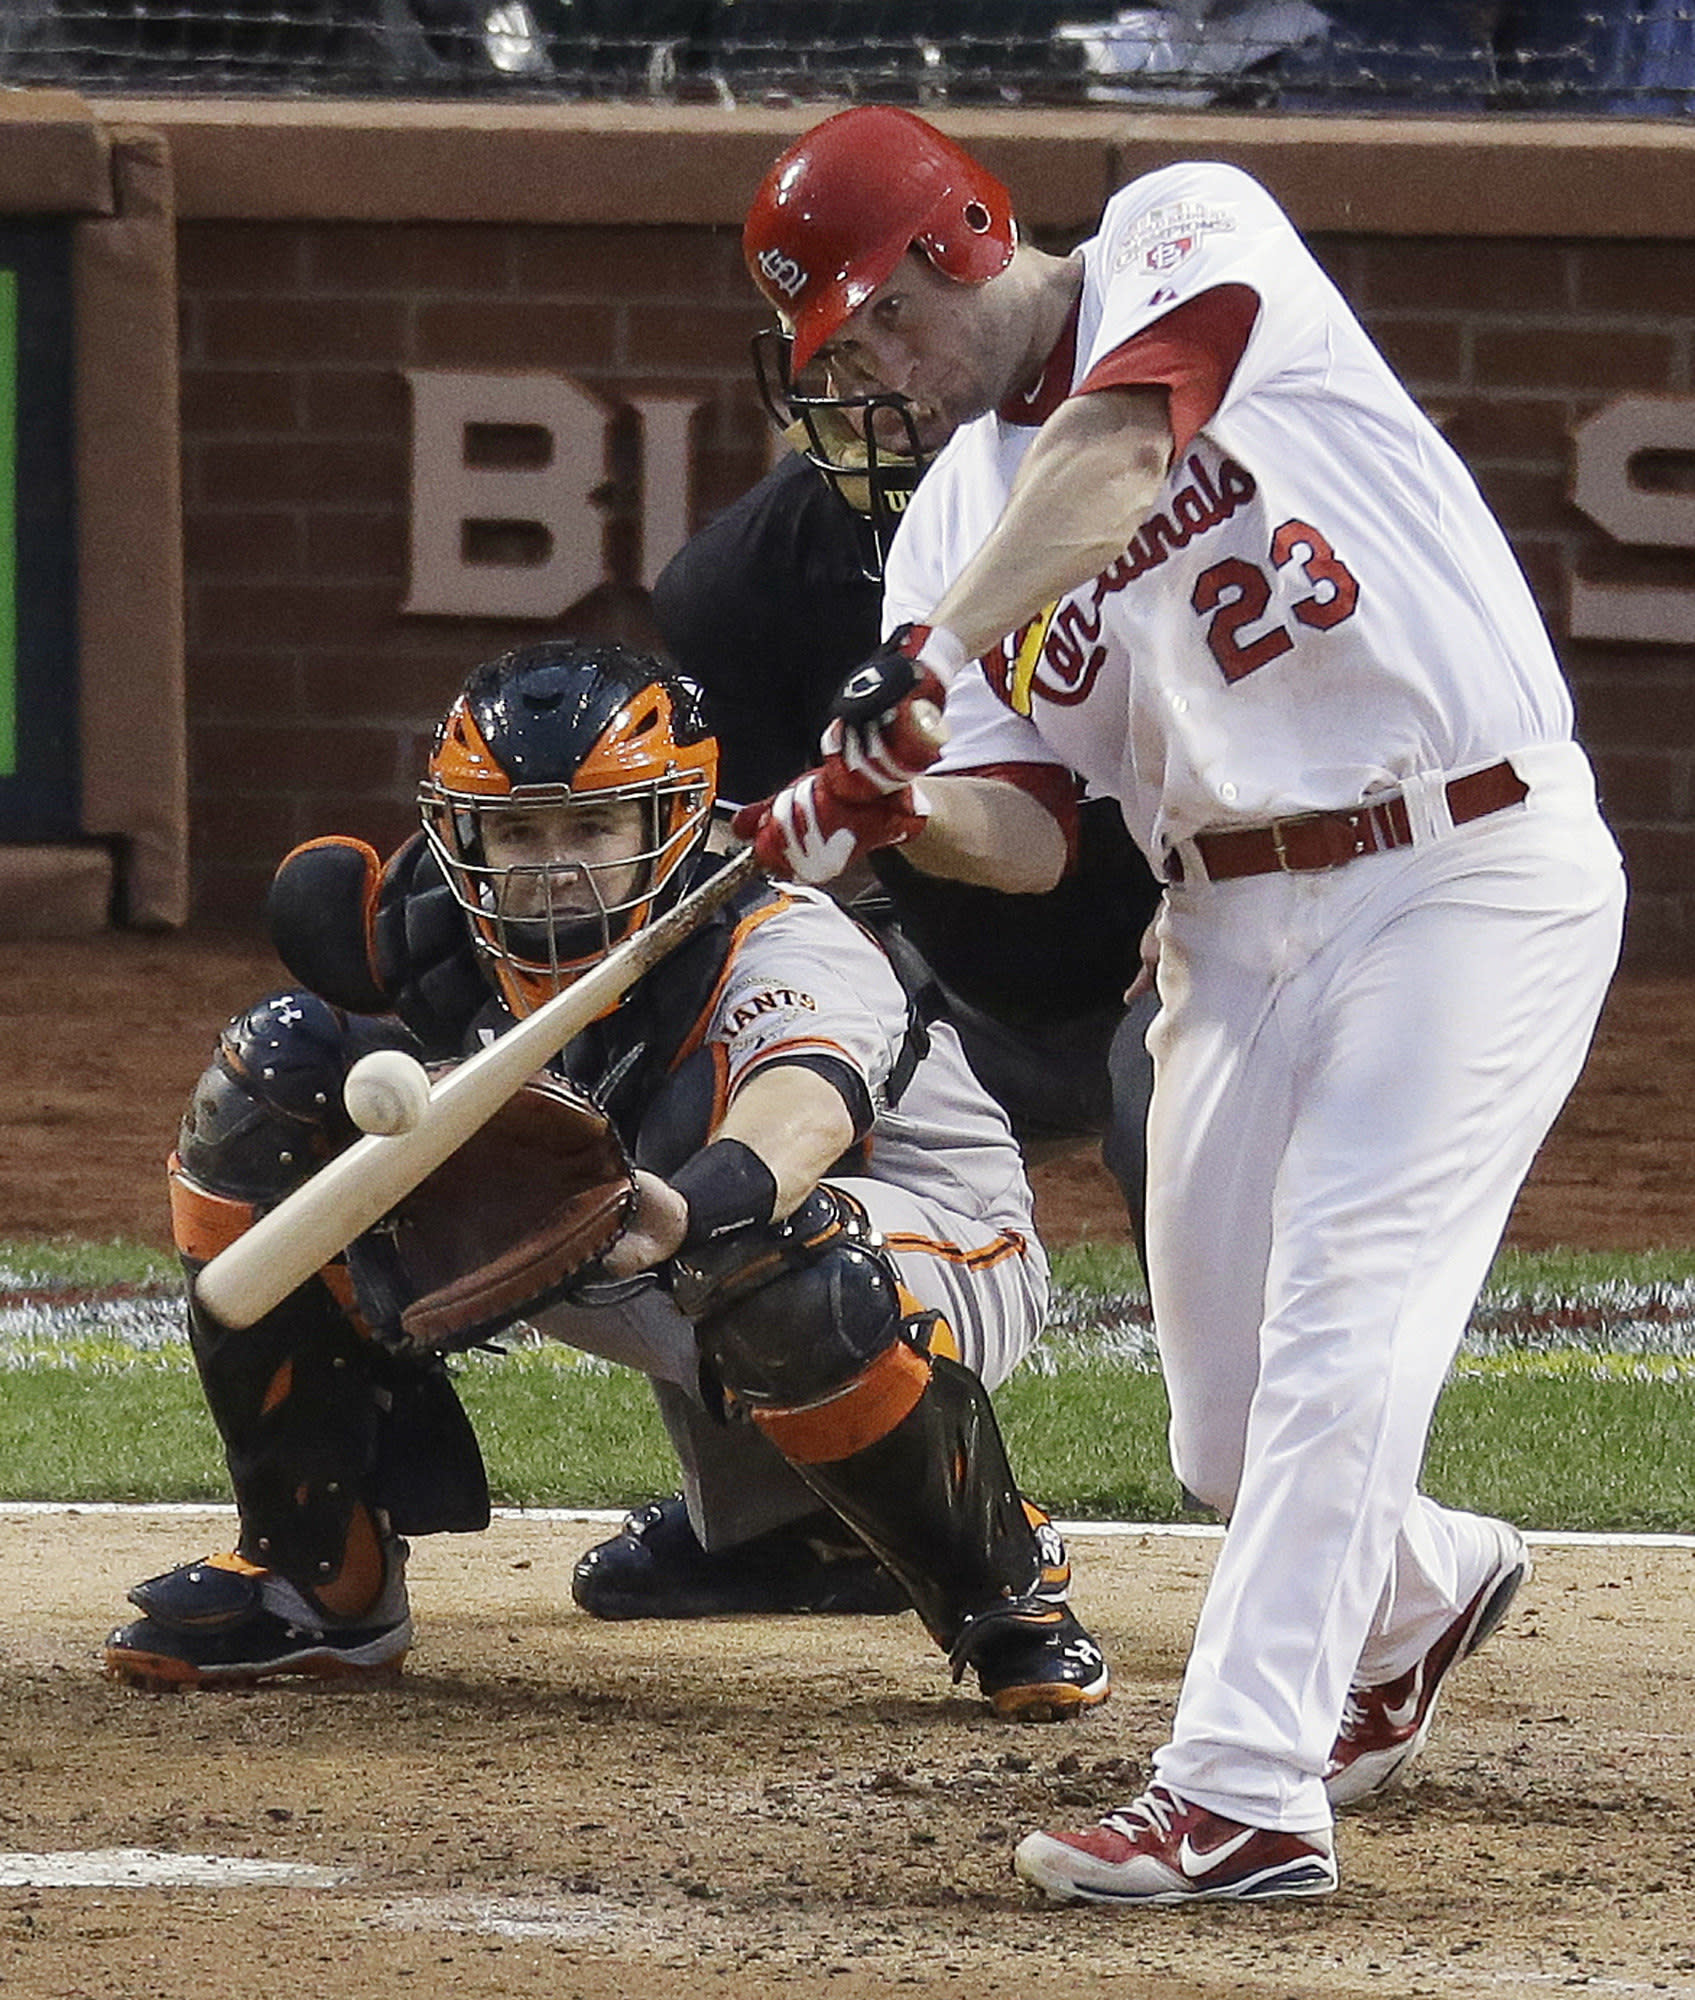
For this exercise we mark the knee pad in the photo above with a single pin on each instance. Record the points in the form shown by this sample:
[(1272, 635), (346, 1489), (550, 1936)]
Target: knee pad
[(267, 1110), (791, 1313)]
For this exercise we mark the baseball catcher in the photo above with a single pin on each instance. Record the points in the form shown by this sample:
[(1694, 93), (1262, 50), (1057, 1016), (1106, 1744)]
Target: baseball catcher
[(761, 1179)]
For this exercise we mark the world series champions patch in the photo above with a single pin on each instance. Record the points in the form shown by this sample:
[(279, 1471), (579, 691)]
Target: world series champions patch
[(1164, 238)]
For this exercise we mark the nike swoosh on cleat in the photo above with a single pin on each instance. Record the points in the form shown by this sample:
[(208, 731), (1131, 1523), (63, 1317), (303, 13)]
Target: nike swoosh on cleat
[(1195, 1864), (1399, 1715)]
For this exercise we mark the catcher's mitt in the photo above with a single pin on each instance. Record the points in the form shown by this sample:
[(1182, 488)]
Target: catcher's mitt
[(503, 1228)]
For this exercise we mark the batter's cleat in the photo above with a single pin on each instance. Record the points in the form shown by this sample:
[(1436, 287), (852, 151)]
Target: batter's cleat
[(655, 1567), (1384, 1727), (1162, 1849), (1033, 1661), (225, 1623)]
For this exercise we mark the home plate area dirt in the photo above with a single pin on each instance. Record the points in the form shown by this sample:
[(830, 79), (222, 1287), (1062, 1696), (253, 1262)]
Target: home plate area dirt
[(547, 1806)]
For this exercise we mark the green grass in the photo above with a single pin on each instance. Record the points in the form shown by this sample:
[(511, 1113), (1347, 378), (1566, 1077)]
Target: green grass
[(1572, 1407)]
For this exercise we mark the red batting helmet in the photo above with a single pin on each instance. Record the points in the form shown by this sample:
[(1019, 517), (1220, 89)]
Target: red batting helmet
[(845, 203)]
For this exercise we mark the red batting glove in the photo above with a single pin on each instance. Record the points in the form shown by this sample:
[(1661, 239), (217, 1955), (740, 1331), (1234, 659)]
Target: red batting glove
[(886, 726), (810, 833)]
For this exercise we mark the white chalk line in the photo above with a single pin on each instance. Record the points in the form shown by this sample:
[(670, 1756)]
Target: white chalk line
[(531, 1917), (594, 1516), (152, 1868)]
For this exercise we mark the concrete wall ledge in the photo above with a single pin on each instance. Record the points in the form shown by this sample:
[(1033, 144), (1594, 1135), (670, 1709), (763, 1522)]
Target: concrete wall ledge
[(56, 157), (364, 161)]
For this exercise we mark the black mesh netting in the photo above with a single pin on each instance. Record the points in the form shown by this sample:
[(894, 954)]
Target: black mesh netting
[(1442, 57)]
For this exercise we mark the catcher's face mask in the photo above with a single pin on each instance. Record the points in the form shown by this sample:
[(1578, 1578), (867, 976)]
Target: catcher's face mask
[(867, 446), (568, 790)]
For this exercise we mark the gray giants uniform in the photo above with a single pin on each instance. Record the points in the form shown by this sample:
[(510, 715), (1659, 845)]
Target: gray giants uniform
[(938, 1173), (1354, 1066)]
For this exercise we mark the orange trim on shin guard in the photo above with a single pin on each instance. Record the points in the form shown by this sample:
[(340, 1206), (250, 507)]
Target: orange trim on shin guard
[(938, 1335), (203, 1223), (871, 1405), (359, 1582)]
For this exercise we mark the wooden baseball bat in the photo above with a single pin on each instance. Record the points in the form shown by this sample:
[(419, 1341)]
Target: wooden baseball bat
[(358, 1188)]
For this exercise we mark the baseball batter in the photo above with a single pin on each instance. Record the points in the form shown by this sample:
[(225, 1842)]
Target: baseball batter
[(1195, 542)]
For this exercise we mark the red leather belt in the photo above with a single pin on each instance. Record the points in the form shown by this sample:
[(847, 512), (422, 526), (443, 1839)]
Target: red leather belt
[(1311, 841)]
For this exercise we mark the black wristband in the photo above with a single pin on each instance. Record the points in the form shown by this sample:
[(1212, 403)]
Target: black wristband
[(727, 1186)]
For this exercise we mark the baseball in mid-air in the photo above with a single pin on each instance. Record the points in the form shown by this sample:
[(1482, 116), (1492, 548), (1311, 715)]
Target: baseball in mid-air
[(386, 1092)]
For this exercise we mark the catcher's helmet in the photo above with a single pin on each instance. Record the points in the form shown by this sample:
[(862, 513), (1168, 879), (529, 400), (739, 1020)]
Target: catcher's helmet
[(845, 203), (552, 727)]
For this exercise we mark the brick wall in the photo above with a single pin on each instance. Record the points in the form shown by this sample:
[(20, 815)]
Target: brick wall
[(310, 695), (1520, 276)]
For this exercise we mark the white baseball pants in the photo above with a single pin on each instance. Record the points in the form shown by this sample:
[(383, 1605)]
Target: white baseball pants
[(1354, 1070)]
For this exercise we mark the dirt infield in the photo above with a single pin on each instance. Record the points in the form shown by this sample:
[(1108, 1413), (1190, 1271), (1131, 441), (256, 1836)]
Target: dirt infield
[(549, 1807), (545, 1806)]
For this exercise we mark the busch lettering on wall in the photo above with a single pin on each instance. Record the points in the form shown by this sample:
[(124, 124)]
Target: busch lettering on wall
[(557, 500), (562, 556), (1608, 454)]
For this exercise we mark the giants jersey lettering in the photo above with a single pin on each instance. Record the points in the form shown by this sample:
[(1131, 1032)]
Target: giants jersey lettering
[(1291, 627)]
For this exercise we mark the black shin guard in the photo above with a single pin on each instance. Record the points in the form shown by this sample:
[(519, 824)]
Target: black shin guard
[(330, 1439), (802, 1324), (321, 1426), (933, 1497)]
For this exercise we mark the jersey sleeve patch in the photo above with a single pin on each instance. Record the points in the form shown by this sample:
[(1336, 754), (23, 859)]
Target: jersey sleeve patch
[(1194, 351), (1160, 241)]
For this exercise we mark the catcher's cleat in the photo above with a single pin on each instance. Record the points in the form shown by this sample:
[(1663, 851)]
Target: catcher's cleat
[(1033, 1660), (1384, 1727), (1163, 1849), (225, 1623), (655, 1567)]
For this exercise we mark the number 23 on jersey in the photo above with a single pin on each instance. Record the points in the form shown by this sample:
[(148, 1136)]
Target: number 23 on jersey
[(1234, 597)]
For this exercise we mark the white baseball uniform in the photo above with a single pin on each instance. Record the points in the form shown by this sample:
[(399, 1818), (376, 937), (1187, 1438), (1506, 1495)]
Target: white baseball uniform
[(1354, 1067), (940, 1176)]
